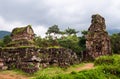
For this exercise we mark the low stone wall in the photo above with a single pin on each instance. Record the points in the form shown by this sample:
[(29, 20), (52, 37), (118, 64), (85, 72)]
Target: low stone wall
[(31, 58)]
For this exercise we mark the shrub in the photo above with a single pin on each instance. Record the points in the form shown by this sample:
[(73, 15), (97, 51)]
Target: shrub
[(42, 77), (108, 60), (114, 70), (104, 60), (73, 72)]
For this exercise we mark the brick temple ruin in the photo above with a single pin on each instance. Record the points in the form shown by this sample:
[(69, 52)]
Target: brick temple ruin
[(97, 39), (22, 36), (20, 53), (23, 33)]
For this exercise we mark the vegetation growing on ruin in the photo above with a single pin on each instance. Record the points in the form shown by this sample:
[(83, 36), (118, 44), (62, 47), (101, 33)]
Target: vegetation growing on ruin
[(19, 30), (102, 70), (21, 42)]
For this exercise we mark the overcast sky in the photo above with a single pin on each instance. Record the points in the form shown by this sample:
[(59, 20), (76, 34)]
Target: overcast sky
[(42, 14)]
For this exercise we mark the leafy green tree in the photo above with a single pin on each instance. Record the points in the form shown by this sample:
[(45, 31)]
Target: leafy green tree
[(84, 32), (7, 39), (70, 42), (82, 40), (44, 42), (1, 43), (53, 29), (40, 42), (115, 42), (71, 31)]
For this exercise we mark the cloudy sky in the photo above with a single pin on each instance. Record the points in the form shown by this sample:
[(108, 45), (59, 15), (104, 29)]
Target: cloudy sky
[(66, 13)]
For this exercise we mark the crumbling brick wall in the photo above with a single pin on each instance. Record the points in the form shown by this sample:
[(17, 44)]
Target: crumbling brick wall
[(30, 59)]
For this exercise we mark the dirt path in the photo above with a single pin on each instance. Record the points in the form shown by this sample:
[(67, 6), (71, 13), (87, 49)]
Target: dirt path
[(87, 66), (11, 75)]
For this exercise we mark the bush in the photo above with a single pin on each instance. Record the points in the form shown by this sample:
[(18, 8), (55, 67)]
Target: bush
[(73, 72), (108, 60), (104, 60), (91, 74), (114, 70), (110, 65), (115, 43), (42, 77)]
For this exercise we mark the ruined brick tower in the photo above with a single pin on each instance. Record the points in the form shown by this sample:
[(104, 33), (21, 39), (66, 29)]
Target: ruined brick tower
[(22, 36), (97, 39), (22, 33)]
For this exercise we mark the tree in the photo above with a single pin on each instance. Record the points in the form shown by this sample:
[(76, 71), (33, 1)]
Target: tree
[(71, 31), (41, 42), (84, 32), (7, 39), (53, 29), (70, 42), (115, 42), (1, 43), (82, 40), (44, 42)]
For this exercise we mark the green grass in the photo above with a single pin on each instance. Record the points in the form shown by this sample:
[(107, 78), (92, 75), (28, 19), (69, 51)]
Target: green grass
[(108, 60), (53, 71), (54, 47), (91, 74), (107, 67)]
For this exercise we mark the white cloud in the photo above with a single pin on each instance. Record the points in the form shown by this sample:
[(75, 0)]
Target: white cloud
[(40, 30), (66, 13), (4, 25)]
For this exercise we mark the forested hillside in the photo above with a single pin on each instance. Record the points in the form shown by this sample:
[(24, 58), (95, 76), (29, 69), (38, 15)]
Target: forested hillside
[(4, 33)]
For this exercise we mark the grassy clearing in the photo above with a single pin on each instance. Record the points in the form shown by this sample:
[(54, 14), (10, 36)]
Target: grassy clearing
[(53, 71), (107, 67)]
